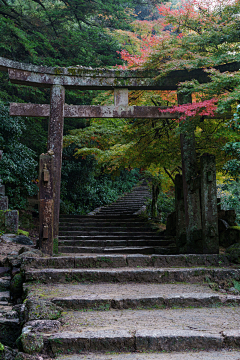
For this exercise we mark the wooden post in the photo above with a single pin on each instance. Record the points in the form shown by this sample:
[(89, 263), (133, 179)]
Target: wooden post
[(46, 213), (209, 205), (55, 143), (191, 189)]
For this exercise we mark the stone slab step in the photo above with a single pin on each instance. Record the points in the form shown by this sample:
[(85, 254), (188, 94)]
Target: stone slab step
[(130, 296), (10, 330), (119, 261), (98, 217), (107, 229), (200, 355), (4, 295), (108, 232), (5, 283), (113, 243), (153, 275), (115, 250), (4, 271), (115, 237), (140, 339), (100, 222)]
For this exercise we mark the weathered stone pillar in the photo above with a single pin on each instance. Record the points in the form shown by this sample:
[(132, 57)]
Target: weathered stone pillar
[(209, 205), (191, 188), (3, 198), (180, 212), (46, 203), (55, 143)]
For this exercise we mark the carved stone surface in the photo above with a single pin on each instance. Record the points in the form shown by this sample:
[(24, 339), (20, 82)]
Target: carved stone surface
[(209, 205), (191, 189), (180, 212), (3, 203), (2, 189), (11, 221), (46, 209), (55, 144)]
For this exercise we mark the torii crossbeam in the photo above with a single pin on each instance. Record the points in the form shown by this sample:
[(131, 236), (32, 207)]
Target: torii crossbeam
[(57, 79)]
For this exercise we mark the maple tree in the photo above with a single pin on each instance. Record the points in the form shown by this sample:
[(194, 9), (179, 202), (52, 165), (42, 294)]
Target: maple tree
[(190, 36)]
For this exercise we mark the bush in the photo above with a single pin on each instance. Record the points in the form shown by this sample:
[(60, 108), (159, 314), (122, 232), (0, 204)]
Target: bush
[(230, 196), (18, 169), (85, 188)]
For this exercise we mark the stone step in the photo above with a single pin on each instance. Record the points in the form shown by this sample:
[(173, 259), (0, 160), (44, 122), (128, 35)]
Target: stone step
[(113, 243), (111, 250), (135, 260), (119, 250), (4, 295), (147, 330), (124, 205), (147, 236), (118, 261), (130, 296), (138, 275), (105, 232), (110, 228), (101, 222), (5, 283), (75, 216), (199, 355)]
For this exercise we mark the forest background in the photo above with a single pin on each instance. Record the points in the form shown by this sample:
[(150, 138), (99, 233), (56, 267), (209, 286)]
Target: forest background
[(103, 158)]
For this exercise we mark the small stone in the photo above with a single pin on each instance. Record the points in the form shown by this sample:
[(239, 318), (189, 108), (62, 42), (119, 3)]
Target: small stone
[(44, 325), (4, 284), (9, 237), (42, 310), (22, 239), (8, 353), (234, 291), (33, 253), (32, 343)]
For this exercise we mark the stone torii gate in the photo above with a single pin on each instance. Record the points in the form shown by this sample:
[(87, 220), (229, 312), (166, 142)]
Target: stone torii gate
[(57, 79)]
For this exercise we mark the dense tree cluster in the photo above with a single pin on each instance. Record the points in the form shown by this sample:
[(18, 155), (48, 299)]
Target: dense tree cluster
[(188, 35)]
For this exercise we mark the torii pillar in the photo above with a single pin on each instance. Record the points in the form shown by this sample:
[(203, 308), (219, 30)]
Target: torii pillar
[(55, 144), (191, 189)]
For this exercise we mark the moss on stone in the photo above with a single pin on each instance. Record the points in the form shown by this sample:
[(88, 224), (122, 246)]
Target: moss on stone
[(22, 232), (235, 227)]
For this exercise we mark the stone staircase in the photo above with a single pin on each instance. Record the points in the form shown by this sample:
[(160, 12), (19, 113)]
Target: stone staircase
[(116, 228), (113, 304), (131, 307)]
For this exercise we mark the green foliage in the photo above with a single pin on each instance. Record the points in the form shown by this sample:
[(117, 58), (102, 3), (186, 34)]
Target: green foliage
[(1, 347), (232, 167), (63, 33), (18, 167), (165, 205), (230, 196), (22, 232), (85, 187), (236, 285)]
